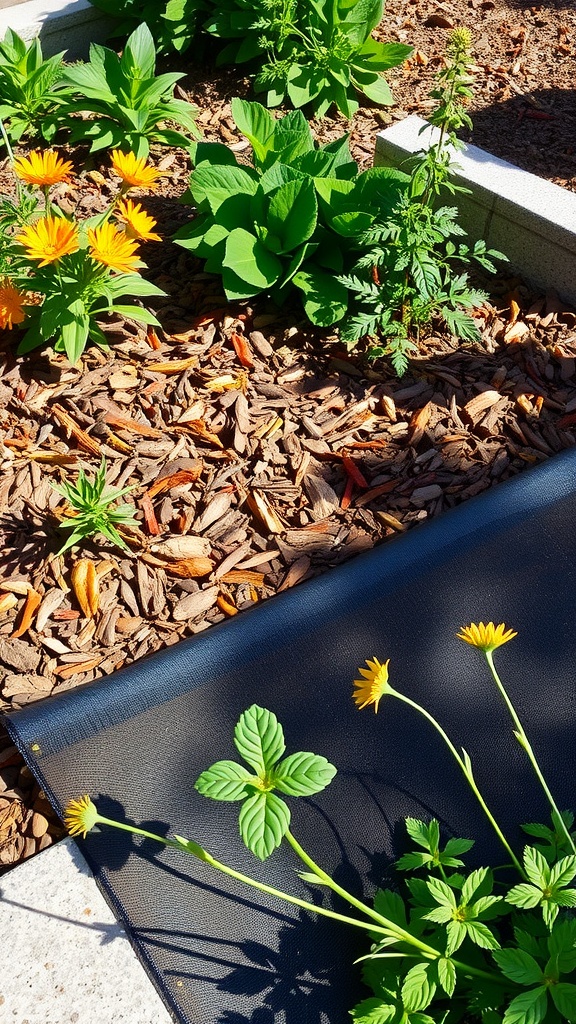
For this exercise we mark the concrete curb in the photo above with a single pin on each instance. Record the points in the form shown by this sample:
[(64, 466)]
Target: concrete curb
[(61, 24), (526, 217)]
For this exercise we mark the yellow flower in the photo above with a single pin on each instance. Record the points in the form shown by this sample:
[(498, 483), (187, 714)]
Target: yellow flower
[(134, 171), (48, 239), (372, 687), (80, 816), (138, 223), (11, 302), (43, 168), (486, 637), (110, 246)]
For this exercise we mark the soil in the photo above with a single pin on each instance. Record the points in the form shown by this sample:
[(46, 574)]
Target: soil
[(260, 453)]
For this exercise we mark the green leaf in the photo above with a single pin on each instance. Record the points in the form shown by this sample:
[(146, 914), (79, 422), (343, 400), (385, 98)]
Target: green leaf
[(391, 905), (376, 90), (454, 847), (413, 861), (456, 933), (224, 780), (564, 999), (518, 966), (562, 945), (419, 831), (446, 975), (214, 184), (473, 882), (536, 866), (250, 262), (563, 871), (524, 895), (373, 1011), (325, 299), (256, 123), (293, 213), (259, 739), (303, 774), (527, 1008), (441, 892), (417, 989), (264, 820), (481, 935)]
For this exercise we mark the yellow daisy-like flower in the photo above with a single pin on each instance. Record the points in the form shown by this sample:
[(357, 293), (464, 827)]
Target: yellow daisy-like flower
[(134, 171), (43, 168), (110, 246), (80, 816), (11, 302), (373, 685), (486, 637), (138, 223), (49, 239)]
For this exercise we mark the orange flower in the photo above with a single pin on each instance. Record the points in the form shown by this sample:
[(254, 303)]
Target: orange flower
[(134, 171), (138, 223), (110, 246), (11, 302), (48, 239), (43, 168)]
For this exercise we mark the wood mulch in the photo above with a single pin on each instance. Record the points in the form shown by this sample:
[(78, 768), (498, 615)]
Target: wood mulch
[(260, 454)]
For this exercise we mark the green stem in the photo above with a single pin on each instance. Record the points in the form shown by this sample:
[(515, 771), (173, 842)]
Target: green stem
[(525, 743), (203, 855), (467, 771)]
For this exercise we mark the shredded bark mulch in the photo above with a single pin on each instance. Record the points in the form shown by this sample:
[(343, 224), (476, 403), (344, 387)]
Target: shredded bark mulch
[(260, 453)]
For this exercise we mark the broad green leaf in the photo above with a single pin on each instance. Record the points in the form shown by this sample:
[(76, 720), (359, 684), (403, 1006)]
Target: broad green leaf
[(564, 999), (256, 123), (352, 223), (524, 895), (325, 299), (454, 847), (139, 55), (372, 1011), (376, 90), (303, 774), (418, 989), (439, 915), (446, 975), (518, 966), (250, 261), (264, 820), (216, 184), (224, 780), (562, 945), (211, 153), (413, 861), (441, 892), (563, 871), (473, 882), (382, 56), (391, 905), (259, 738), (527, 1008), (481, 935), (293, 213)]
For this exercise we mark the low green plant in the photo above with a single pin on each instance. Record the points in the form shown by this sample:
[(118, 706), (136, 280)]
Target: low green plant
[(92, 510), (410, 268), (31, 89), (60, 276), (450, 942), (173, 23), (315, 53), (130, 104), (289, 220)]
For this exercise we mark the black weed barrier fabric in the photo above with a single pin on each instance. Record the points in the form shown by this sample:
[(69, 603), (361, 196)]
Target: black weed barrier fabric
[(137, 741)]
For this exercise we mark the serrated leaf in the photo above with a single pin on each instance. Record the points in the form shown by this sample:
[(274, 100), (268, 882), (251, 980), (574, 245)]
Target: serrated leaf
[(372, 1011), (413, 861), (441, 892), (534, 828), (456, 933), (562, 945), (473, 882), (454, 847), (417, 989), (564, 999), (418, 831), (481, 935), (311, 878), (224, 780), (563, 871), (536, 866), (446, 975), (524, 895), (518, 965), (527, 1008), (264, 820), (259, 738), (390, 905), (303, 774)]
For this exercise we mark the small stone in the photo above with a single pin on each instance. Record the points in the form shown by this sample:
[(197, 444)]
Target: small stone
[(38, 825)]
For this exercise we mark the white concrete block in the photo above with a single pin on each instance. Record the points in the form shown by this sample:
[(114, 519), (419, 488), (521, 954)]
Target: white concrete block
[(530, 219), (64, 959), (61, 24)]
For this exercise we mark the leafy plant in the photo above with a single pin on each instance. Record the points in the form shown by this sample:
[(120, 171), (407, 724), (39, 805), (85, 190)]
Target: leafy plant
[(316, 52), (91, 513), (130, 103), (288, 220), (31, 88), (409, 271), (449, 942), (173, 23), (61, 276)]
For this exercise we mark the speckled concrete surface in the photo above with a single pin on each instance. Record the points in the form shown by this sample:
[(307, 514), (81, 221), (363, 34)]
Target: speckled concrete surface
[(64, 959)]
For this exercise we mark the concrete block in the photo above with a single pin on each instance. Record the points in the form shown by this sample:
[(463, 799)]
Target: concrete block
[(61, 24), (528, 218), (64, 959)]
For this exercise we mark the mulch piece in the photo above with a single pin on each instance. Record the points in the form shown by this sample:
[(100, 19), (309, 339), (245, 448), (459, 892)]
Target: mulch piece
[(260, 453)]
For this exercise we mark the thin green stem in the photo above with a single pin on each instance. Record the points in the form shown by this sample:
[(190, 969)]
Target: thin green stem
[(467, 771), (203, 855), (525, 743)]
